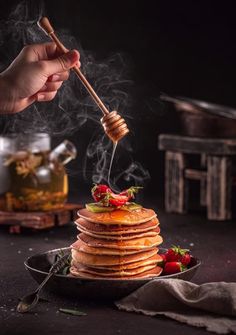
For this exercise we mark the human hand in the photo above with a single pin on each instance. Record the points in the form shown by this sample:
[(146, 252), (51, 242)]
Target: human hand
[(35, 75)]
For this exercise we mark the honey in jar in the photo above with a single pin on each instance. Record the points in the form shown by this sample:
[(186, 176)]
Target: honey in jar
[(37, 177)]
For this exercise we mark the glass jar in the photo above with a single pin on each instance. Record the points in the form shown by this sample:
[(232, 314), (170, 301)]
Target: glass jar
[(37, 180), (6, 149)]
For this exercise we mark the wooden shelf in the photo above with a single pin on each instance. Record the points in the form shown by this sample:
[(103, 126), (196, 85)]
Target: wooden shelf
[(39, 220)]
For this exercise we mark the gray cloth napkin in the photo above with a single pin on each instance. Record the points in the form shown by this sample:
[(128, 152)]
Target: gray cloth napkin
[(210, 305)]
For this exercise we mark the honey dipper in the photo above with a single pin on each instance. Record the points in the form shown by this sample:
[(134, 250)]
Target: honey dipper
[(113, 124)]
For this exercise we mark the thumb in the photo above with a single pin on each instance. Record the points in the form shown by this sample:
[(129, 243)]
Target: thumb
[(63, 62)]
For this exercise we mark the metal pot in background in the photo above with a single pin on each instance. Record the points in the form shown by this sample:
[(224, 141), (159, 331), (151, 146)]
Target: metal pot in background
[(202, 119)]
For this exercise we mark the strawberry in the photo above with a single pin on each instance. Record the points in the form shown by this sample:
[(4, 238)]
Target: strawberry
[(175, 254), (173, 267), (130, 192), (185, 259), (117, 200), (163, 262), (106, 197), (99, 192), (163, 256), (171, 255), (123, 197)]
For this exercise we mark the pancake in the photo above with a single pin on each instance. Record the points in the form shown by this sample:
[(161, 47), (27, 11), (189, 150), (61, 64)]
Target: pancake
[(110, 230), (119, 244), (104, 260), (81, 246), (150, 233), (154, 260), (118, 217), (114, 273), (147, 274), (134, 244)]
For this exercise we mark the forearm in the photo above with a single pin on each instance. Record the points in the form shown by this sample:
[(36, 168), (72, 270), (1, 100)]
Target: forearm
[(6, 96)]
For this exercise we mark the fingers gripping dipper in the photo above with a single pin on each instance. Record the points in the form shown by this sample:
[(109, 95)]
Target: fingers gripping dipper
[(113, 124)]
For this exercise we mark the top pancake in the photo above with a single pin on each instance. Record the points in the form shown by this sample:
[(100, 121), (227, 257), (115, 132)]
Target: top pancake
[(120, 217)]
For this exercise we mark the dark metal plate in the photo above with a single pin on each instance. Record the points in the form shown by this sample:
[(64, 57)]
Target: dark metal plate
[(102, 289)]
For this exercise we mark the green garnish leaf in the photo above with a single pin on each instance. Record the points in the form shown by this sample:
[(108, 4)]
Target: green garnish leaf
[(66, 270), (72, 312), (96, 208), (132, 206), (133, 189)]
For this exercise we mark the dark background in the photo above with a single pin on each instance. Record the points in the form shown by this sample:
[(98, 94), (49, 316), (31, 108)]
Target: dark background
[(185, 48), (179, 47)]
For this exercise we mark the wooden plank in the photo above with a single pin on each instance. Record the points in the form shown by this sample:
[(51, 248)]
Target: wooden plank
[(63, 217), (175, 185), (39, 220), (35, 220), (201, 176), (194, 145), (219, 188), (194, 174)]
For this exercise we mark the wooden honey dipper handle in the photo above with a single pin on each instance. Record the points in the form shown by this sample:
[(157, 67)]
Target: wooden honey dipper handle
[(46, 26)]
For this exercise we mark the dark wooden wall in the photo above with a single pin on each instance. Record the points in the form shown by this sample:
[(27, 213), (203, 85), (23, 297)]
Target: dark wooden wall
[(186, 48)]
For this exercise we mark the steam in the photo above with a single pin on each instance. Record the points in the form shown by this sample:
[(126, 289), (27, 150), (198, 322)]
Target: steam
[(73, 108)]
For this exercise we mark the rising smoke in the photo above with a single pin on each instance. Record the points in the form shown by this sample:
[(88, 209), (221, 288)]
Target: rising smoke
[(73, 108)]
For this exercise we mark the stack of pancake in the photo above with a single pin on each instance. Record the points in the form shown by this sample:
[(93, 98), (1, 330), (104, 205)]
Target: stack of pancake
[(120, 244)]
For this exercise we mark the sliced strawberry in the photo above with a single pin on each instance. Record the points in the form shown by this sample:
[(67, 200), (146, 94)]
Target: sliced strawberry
[(99, 192), (130, 192), (104, 195), (117, 199), (173, 267)]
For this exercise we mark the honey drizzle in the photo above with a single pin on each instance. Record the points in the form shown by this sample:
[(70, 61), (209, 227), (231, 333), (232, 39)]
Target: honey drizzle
[(111, 162), (120, 240)]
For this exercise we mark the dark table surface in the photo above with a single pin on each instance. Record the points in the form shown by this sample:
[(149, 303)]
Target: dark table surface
[(212, 242)]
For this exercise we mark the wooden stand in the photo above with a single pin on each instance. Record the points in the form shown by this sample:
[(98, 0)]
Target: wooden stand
[(39, 220), (215, 173)]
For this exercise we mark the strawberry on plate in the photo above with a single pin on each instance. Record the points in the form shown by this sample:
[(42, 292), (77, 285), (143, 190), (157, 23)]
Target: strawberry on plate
[(177, 254), (175, 260), (173, 267), (185, 259), (163, 262)]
